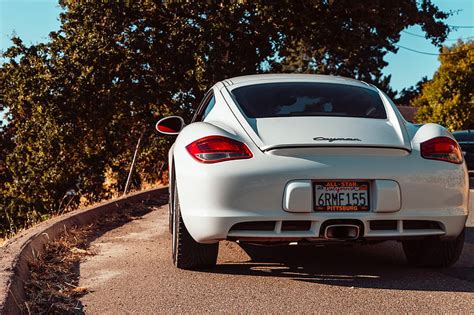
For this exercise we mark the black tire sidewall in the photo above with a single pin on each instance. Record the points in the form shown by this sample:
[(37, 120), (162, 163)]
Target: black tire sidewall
[(434, 252), (175, 225)]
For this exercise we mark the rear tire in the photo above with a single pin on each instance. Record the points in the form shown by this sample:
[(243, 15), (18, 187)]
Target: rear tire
[(170, 204), (433, 252), (186, 252), (170, 214)]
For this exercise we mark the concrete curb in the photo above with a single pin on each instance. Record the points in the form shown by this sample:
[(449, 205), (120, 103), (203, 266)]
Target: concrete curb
[(25, 247)]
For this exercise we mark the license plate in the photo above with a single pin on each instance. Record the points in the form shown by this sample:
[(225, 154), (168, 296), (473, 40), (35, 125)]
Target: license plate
[(341, 196)]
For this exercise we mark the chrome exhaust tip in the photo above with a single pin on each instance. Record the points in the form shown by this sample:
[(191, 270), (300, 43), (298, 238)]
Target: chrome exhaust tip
[(342, 232)]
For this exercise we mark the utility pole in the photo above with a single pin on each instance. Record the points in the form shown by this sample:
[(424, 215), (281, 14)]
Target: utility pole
[(125, 191)]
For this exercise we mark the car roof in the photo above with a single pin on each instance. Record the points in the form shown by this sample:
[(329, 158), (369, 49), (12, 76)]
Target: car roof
[(273, 78)]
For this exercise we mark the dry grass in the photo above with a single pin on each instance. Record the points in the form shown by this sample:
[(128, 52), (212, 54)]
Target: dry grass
[(53, 287)]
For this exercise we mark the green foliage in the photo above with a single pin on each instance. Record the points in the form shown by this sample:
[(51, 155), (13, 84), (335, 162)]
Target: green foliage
[(349, 38), (448, 99), (78, 104)]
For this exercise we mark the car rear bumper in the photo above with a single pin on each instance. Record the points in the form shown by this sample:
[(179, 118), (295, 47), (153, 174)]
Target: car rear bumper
[(278, 226), (404, 187)]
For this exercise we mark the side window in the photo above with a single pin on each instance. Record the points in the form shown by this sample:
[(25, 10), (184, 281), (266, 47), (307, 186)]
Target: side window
[(205, 107), (208, 107)]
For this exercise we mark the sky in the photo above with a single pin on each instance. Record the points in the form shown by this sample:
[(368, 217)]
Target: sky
[(32, 20)]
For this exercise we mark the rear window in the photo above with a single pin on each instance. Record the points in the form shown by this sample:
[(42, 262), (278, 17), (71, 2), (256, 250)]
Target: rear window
[(308, 99)]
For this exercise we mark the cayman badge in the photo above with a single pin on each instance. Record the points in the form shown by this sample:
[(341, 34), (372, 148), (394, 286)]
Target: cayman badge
[(335, 139)]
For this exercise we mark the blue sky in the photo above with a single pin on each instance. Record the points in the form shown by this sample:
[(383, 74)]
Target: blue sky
[(32, 20)]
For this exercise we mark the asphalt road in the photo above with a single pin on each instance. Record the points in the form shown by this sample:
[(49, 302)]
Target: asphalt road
[(133, 273)]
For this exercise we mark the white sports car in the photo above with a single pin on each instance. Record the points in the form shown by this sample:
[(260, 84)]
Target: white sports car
[(312, 159)]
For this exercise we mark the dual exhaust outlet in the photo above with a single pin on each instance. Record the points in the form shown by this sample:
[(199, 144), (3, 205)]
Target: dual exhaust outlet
[(342, 232)]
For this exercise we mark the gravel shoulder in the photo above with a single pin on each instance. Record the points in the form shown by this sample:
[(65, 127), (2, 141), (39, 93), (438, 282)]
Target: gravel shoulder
[(132, 273)]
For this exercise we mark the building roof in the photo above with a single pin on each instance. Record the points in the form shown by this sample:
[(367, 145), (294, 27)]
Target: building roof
[(408, 112)]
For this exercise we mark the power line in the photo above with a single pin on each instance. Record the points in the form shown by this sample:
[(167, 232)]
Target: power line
[(461, 26), (448, 39), (431, 54)]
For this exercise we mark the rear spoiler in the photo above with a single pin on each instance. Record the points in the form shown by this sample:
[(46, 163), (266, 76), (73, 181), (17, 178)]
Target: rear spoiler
[(300, 146)]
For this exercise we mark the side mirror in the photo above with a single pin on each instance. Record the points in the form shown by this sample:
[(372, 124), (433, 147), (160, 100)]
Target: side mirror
[(171, 125)]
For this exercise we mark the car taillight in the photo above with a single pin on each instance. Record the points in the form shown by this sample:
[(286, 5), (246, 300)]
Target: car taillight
[(213, 149), (443, 149)]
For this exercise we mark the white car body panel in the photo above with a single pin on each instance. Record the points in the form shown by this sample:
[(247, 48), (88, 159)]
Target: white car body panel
[(275, 184)]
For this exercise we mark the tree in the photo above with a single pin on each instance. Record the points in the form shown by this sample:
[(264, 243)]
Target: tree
[(448, 99), (78, 104), (349, 38), (407, 95)]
